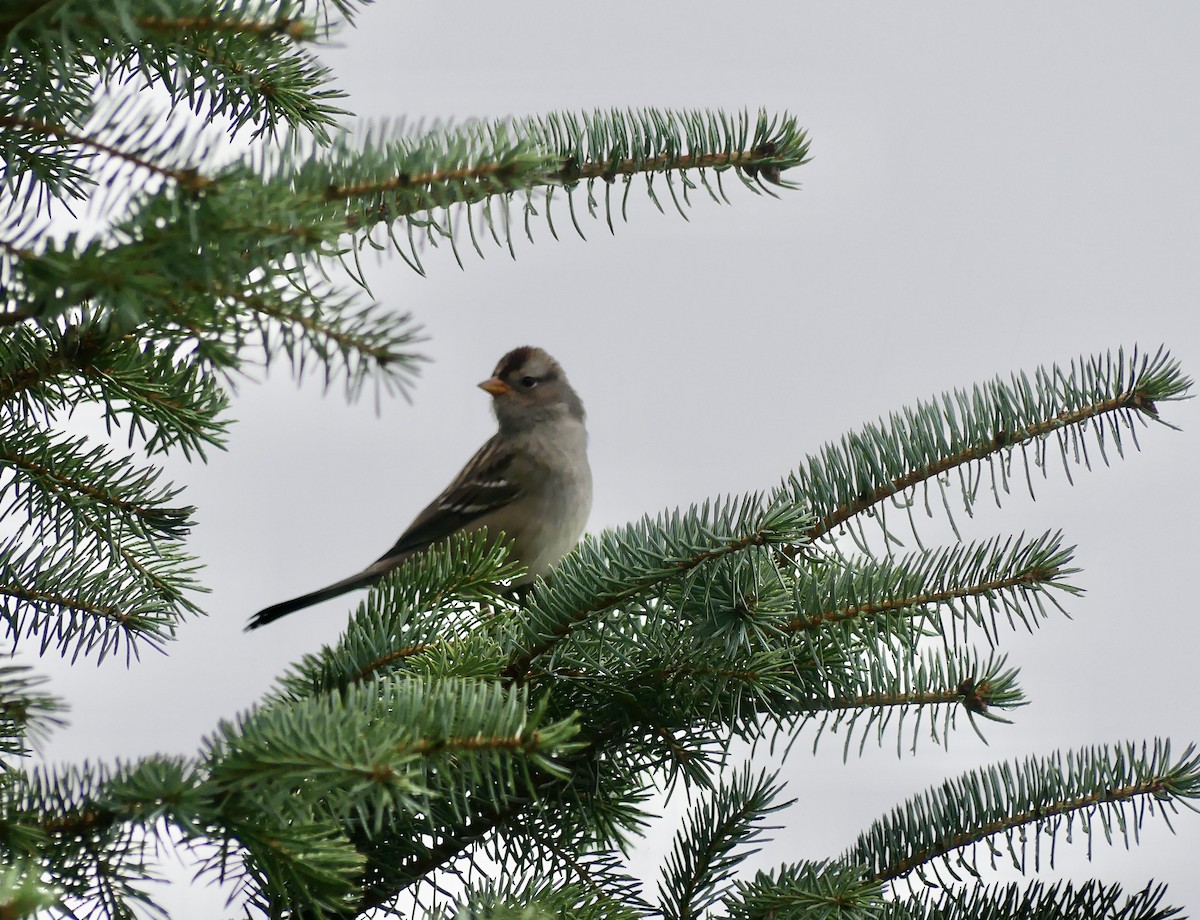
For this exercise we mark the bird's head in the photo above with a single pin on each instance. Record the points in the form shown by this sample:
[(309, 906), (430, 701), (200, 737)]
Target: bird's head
[(528, 386)]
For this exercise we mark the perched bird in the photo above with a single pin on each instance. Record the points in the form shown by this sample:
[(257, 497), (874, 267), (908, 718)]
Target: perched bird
[(531, 480)]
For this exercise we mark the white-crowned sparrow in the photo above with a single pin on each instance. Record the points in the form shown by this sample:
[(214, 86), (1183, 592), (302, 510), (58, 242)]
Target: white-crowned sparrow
[(531, 481)]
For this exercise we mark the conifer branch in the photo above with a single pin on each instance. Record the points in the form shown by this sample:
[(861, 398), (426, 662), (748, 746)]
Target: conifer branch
[(379, 769), (74, 487), (604, 572), (23, 893), (322, 328), (145, 513), (869, 652), (301, 863), (1098, 783), (394, 867), (295, 29), (394, 878), (251, 68), (1091, 900), (976, 578), (27, 712), (38, 356), (345, 341), (881, 700), (171, 403), (88, 828), (599, 885), (967, 428), (712, 843), (825, 890), (590, 899), (428, 605), (883, 684), (190, 179), (68, 604), (420, 181), (1024, 579), (81, 601), (930, 689)]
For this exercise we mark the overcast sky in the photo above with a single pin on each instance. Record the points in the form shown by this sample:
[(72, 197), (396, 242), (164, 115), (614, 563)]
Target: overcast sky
[(993, 187)]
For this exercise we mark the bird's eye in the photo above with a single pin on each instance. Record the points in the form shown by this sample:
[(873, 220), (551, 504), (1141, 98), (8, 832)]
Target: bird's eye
[(529, 382)]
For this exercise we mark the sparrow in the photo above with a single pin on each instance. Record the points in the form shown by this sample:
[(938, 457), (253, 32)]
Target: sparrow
[(530, 482)]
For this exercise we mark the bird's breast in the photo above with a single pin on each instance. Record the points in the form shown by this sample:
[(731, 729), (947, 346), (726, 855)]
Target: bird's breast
[(556, 486)]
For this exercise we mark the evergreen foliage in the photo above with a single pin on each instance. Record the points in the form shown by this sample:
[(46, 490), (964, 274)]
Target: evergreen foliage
[(456, 726)]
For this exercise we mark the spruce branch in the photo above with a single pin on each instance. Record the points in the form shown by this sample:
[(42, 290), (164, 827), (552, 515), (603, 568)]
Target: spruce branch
[(315, 325), (496, 900), (975, 581), (1100, 787), (170, 243), (35, 361), (740, 601), (166, 401), (96, 560), (575, 804), (40, 169), (308, 863), (843, 645), (931, 686), (815, 891), (540, 858), (618, 566), (422, 180), (667, 667), (1094, 401), (22, 891), (429, 607), (85, 601), (395, 863), (89, 828), (378, 176), (713, 842), (659, 694), (1091, 900), (458, 740), (179, 287), (608, 145), (187, 25), (243, 60), (190, 178), (27, 713), (79, 488), (595, 805)]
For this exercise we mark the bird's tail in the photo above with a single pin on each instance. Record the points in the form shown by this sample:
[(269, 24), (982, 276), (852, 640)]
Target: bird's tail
[(275, 611)]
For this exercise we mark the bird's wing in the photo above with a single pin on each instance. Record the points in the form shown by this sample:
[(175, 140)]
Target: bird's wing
[(484, 485)]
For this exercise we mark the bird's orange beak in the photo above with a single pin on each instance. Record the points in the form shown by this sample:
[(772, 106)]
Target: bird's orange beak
[(495, 386)]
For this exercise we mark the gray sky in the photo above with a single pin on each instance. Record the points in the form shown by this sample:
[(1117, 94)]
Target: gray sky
[(993, 187)]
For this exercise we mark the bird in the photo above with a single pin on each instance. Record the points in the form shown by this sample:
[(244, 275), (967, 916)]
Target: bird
[(530, 481)]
